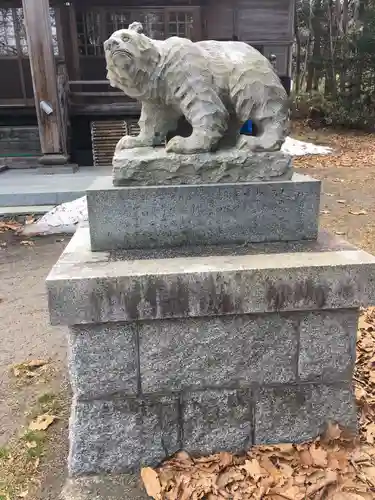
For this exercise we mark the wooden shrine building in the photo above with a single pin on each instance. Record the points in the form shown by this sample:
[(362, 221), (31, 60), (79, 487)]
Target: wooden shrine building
[(54, 98)]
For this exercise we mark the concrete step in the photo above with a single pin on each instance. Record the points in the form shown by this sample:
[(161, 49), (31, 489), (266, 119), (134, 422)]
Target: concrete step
[(22, 211)]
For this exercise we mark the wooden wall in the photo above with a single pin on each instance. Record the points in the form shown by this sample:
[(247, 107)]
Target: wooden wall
[(264, 23), (250, 20)]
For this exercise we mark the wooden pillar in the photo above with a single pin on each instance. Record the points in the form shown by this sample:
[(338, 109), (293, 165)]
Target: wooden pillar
[(44, 75)]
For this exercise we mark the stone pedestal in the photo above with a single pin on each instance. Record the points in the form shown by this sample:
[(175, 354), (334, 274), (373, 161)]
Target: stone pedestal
[(205, 334)]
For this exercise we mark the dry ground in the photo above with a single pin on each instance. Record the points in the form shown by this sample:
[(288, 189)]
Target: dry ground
[(348, 208)]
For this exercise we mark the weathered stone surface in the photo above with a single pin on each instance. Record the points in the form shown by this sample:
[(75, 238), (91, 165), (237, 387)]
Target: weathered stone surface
[(216, 421), (117, 435), (105, 487), (103, 360), (217, 352), (85, 287), (155, 167), (296, 414), (209, 214), (216, 86), (328, 345)]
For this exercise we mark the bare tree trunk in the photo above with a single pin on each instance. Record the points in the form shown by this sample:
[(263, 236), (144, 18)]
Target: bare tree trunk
[(297, 77), (345, 17), (344, 47), (332, 50), (314, 72)]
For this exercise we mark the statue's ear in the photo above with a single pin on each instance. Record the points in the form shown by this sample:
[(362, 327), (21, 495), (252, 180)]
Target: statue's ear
[(136, 26)]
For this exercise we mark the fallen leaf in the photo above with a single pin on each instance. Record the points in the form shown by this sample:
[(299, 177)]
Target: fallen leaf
[(333, 432), (151, 483), (370, 433), (27, 243), (370, 474), (12, 226), (35, 363), (253, 468), (268, 466), (32, 444), (346, 496), (330, 478), (306, 458), (228, 477), (318, 455), (285, 447), (226, 459), (286, 470), (29, 220), (42, 422), (360, 212)]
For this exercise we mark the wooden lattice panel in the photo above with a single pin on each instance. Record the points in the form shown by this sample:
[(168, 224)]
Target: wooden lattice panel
[(105, 135)]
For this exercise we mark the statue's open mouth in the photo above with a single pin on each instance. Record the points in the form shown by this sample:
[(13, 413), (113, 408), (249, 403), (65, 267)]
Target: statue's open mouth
[(122, 52)]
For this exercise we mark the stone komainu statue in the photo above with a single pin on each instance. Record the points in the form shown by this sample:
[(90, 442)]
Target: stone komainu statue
[(216, 86)]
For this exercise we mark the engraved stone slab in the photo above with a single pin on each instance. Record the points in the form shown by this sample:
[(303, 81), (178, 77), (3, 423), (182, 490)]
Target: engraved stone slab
[(154, 166), (208, 214)]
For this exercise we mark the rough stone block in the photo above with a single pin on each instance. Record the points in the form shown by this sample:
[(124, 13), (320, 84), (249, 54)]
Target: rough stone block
[(216, 421), (221, 352), (119, 436), (328, 345), (103, 360), (89, 287), (296, 414), (155, 167), (209, 214)]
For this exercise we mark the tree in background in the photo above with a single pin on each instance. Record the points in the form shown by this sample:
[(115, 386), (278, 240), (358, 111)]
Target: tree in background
[(335, 59)]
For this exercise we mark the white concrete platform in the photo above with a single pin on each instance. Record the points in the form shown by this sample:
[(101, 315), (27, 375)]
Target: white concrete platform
[(30, 187)]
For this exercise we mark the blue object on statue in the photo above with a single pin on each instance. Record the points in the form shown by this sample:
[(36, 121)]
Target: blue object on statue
[(247, 128)]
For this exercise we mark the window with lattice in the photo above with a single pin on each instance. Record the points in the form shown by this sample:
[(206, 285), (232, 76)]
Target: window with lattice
[(153, 24), (90, 40), (180, 24), (117, 20)]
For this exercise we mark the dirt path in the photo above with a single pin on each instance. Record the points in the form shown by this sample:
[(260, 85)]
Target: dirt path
[(26, 334), (348, 186)]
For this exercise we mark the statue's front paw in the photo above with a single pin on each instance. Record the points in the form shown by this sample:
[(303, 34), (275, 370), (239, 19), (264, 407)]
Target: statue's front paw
[(189, 145), (130, 142)]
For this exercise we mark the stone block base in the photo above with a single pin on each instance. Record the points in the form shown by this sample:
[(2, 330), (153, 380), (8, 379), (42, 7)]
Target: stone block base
[(207, 214), (206, 352), (121, 435), (206, 385)]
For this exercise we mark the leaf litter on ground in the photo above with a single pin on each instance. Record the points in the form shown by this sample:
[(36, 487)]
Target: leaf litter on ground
[(10, 226), (336, 466), (34, 371)]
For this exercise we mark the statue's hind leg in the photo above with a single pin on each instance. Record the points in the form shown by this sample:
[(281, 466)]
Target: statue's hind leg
[(271, 137), (270, 117)]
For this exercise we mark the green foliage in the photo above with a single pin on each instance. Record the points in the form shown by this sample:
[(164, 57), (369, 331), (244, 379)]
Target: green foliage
[(337, 62), (339, 112)]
